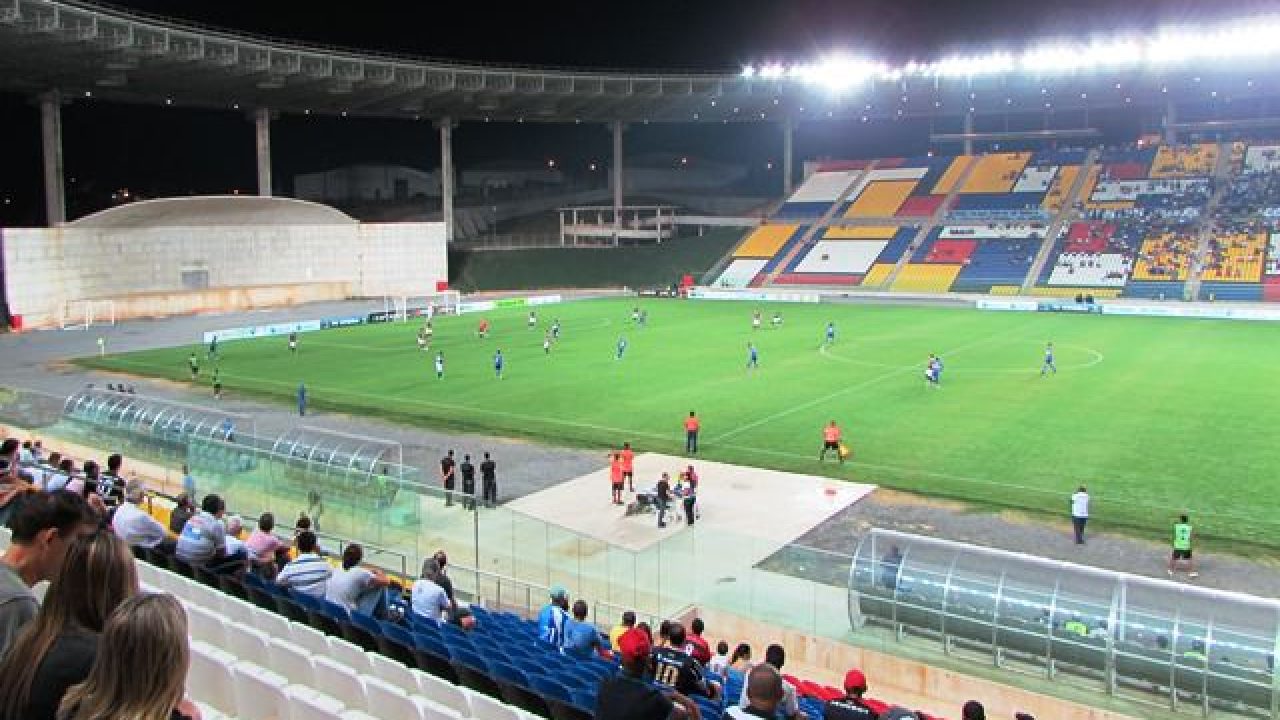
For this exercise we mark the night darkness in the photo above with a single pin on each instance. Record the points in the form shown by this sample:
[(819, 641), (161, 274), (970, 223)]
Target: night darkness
[(171, 151)]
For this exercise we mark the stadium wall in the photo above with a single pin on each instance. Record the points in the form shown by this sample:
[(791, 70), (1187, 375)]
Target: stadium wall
[(153, 271)]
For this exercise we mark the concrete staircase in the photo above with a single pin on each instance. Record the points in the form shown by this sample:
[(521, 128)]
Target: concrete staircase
[(1066, 214), (1222, 180), (936, 219), (817, 226)]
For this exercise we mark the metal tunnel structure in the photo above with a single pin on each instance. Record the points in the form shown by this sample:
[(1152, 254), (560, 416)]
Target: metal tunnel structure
[(1146, 638)]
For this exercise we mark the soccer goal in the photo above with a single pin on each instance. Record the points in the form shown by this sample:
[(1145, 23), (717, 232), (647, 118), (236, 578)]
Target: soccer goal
[(84, 314), (427, 306)]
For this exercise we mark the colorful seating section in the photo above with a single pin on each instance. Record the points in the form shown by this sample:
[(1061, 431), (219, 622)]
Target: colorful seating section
[(817, 194), (1197, 160), (861, 255), (1090, 256), (996, 173), (971, 258)]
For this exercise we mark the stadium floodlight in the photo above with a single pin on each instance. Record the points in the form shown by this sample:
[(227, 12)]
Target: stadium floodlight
[(995, 63), (1068, 58)]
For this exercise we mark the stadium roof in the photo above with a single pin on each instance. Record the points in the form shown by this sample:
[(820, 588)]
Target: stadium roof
[(87, 50)]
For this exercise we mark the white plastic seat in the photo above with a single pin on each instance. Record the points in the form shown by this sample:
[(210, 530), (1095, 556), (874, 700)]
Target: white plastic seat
[(357, 715), (246, 643), (273, 625), (238, 610), (339, 681), (307, 703), (210, 677), (484, 707), (351, 655), (260, 693), (435, 711), (439, 690), (291, 661), (316, 642), (390, 701), (394, 672), (207, 626)]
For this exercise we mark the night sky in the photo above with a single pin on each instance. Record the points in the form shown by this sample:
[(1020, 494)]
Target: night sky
[(167, 151)]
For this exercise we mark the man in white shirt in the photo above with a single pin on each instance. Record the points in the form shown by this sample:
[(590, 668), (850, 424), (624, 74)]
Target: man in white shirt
[(308, 573), (429, 599), (359, 588), (132, 523), (1079, 513)]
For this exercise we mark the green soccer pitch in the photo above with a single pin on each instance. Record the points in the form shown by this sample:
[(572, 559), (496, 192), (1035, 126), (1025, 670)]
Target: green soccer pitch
[(1155, 415)]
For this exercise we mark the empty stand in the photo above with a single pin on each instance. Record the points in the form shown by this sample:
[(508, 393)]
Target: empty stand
[(881, 198), (995, 173)]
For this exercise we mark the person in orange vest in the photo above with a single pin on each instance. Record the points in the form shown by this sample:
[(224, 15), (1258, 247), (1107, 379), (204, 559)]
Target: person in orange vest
[(831, 441), (691, 428), (615, 476), (628, 458)]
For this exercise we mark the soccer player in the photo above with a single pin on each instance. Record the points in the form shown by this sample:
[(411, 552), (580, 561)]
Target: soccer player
[(1182, 547), (422, 340), (622, 347), (497, 363), (931, 372), (217, 385), (831, 441), (546, 343), (213, 346), (555, 329), (615, 477), (831, 333), (302, 399), (635, 315), (691, 427), (628, 458), (755, 320), (428, 331), (194, 364), (644, 318), (753, 357), (483, 328), (937, 370), (1048, 361), (533, 319), (777, 320), (439, 366), (293, 343)]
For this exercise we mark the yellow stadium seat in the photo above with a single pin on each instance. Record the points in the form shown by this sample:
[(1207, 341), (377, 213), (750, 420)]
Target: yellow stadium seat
[(1185, 160), (1005, 290), (1240, 259), (1058, 189), (952, 176), (996, 173), (860, 232), (881, 198), (878, 274), (1071, 292), (765, 241), (925, 277), (1165, 251)]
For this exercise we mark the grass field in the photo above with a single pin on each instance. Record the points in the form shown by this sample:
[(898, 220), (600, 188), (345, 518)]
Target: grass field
[(1155, 415)]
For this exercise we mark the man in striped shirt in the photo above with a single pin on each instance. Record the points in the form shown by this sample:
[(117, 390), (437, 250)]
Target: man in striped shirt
[(308, 573)]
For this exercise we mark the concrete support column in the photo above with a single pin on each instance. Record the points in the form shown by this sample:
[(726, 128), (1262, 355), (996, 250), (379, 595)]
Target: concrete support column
[(262, 138), (1170, 119), (968, 130), (788, 137), (446, 126), (617, 127), (55, 201)]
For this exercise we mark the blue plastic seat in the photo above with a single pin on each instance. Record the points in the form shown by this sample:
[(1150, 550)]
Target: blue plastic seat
[(550, 689), (505, 672)]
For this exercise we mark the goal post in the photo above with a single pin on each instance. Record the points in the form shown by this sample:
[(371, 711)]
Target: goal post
[(443, 302), (84, 314)]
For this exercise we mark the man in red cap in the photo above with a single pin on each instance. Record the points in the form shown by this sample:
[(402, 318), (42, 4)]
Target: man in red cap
[(627, 696), (851, 706)]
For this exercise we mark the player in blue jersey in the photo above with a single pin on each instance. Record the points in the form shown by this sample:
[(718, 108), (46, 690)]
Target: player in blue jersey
[(831, 333), (931, 372), (622, 347), (497, 364), (937, 370), (753, 357), (1048, 361)]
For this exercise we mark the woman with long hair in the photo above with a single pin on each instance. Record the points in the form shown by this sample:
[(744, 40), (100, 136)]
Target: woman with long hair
[(141, 668), (57, 649)]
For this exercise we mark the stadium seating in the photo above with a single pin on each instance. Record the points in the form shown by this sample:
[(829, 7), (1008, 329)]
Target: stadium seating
[(817, 194), (996, 173)]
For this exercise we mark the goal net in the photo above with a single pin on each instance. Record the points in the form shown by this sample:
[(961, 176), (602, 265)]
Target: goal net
[(427, 306), (84, 314)]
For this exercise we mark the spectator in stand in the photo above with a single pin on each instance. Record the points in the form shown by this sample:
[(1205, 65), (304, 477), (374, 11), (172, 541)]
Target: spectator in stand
[(851, 706), (628, 622), (554, 617), (184, 508), (359, 587), (263, 547), (92, 478), (973, 710), (428, 599), (111, 486), (141, 666), (675, 668), (132, 522), (775, 657), (697, 646), (203, 541), (235, 546), (308, 573), (740, 660), (627, 696), (580, 636), (43, 526), (12, 485), (764, 695), (720, 662), (56, 650), (664, 634)]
